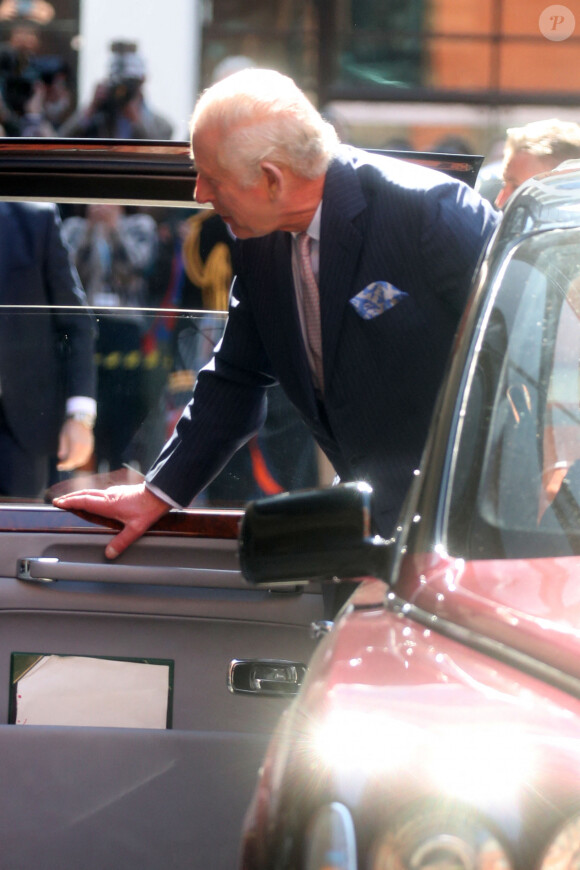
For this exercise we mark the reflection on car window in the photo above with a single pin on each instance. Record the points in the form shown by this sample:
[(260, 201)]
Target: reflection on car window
[(156, 284), (518, 457)]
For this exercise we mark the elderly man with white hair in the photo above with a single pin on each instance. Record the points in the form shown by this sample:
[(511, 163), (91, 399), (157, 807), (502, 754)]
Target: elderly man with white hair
[(351, 273)]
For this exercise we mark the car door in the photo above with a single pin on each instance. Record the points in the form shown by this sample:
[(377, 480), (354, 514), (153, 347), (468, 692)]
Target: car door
[(123, 794), (138, 696)]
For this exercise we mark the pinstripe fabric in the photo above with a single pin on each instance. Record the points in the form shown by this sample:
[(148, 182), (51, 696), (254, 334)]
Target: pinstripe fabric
[(381, 220)]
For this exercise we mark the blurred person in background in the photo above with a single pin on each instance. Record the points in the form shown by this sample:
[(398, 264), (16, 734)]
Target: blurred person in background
[(114, 252), (35, 93), (47, 372), (231, 64), (118, 109), (396, 143), (39, 11), (489, 181), (452, 144), (534, 148)]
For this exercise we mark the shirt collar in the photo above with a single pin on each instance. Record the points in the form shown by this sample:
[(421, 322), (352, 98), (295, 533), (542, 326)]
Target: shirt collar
[(314, 226)]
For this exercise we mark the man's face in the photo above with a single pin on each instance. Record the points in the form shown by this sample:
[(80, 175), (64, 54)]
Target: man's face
[(518, 166), (248, 211)]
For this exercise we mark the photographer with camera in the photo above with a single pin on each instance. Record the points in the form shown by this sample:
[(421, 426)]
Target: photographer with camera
[(118, 109), (34, 88)]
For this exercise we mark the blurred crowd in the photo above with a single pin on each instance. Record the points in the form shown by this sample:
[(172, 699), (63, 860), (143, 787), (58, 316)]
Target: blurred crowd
[(133, 258), (37, 93), (130, 259)]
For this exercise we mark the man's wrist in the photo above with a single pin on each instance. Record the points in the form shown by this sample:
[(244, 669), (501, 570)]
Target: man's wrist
[(83, 409), (162, 496), (85, 419)]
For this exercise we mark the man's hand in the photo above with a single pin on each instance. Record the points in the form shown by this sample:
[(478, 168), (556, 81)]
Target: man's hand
[(75, 445), (136, 507)]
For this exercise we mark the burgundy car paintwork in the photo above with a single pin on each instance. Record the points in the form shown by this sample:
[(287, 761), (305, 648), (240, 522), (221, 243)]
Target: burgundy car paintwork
[(383, 665), (531, 605)]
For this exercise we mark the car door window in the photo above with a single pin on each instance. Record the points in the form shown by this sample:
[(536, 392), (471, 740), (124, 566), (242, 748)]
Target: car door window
[(522, 409), (156, 282)]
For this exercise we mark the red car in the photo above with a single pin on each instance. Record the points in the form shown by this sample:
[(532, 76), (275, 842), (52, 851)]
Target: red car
[(438, 725)]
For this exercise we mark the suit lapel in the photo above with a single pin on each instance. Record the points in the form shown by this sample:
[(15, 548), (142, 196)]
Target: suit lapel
[(276, 308), (274, 300), (340, 244)]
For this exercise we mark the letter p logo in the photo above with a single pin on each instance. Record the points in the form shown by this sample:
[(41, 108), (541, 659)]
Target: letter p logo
[(557, 23)]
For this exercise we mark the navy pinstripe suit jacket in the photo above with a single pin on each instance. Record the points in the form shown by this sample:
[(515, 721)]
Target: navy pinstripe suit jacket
[(382, 220)]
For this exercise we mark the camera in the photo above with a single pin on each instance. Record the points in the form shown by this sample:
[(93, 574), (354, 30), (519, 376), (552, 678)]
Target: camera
[(126, 75)]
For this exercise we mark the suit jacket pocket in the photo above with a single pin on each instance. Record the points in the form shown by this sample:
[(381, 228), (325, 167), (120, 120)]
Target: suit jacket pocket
[(376, 298)]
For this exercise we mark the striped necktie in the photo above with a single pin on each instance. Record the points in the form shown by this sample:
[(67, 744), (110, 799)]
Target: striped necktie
[(311, 307)]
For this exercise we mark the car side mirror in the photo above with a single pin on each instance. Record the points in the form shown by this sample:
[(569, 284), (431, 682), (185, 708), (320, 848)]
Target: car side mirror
[(312, 535)]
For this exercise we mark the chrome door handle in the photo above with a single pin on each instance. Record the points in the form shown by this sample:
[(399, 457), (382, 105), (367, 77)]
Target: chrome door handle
[(46, 569), (272, 677), (25, 569)]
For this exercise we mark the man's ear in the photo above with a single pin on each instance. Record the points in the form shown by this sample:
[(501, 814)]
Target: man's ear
[(274, 178)]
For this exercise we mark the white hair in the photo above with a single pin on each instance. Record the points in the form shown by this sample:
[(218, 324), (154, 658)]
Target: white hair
[(263, 115), (553, 138)]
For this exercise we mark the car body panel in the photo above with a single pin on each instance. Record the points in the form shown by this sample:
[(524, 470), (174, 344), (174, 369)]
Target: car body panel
[(394, 717), (527, 605)]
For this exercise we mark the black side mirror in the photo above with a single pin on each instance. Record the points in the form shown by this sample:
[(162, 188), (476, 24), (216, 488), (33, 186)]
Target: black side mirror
[(318, 534)]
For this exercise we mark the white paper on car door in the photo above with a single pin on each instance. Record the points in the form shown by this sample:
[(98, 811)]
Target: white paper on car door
[(79, 690)]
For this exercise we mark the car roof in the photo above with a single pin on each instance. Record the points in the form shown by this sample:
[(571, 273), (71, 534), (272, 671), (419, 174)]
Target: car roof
[(547, 201), (135, 171)]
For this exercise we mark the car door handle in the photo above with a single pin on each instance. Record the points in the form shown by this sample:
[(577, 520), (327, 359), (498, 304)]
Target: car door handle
[(265, 677), (48, 569)]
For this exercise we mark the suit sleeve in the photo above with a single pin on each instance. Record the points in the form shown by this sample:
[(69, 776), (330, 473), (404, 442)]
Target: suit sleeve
[(228, 407), (76, 331), (456, 227)]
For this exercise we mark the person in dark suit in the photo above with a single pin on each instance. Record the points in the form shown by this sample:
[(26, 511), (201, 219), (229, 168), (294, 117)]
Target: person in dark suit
[(394, 250), (47, 373)]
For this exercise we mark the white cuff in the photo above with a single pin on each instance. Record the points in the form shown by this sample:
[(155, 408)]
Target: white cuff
[(81, 405), (160, 494)]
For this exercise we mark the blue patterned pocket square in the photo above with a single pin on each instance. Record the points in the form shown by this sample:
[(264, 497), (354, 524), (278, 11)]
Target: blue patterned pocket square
[(376, 298)]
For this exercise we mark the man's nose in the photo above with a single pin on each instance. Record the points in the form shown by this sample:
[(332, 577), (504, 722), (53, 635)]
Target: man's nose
[(504, 195), (202, 192)]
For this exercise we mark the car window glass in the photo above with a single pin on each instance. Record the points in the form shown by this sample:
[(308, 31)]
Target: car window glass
[(519, 452), (156, 284)]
